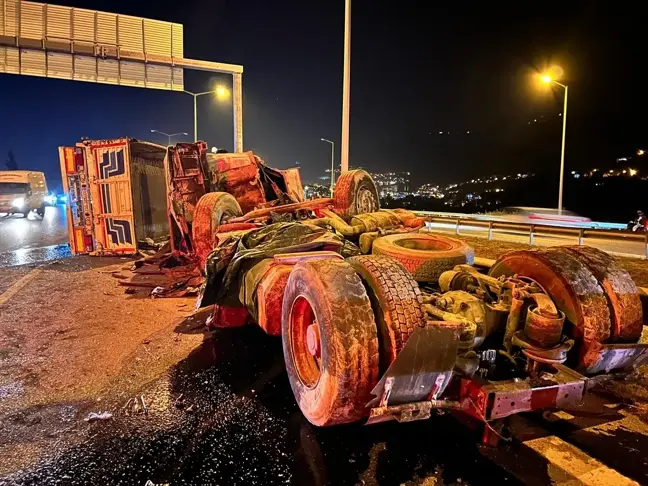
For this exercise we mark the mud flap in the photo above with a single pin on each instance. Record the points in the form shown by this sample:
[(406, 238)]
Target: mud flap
[(417, 377)]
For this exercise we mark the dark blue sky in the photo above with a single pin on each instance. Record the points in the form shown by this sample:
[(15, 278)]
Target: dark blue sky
[(416, 70)]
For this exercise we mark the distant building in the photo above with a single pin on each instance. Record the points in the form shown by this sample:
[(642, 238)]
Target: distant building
[(392, 183), (430, 190)]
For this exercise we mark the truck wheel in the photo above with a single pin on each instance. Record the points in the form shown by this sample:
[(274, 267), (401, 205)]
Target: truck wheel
[(395, 300), (425, 256), (574, 289), (41, 211), (330, 342), (355, 193), (212, 210), (621, 292)]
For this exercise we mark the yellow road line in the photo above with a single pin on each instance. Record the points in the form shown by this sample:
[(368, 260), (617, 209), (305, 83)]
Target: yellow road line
[(566, 462), (18, 286)]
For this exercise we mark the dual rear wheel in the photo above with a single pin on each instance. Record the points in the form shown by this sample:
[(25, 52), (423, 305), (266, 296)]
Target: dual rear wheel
[(343, 324)]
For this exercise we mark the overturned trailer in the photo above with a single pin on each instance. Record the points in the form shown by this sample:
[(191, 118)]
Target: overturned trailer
[(116, 195)]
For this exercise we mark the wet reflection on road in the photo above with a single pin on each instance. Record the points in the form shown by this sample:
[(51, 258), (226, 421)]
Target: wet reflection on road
[(226, 415)]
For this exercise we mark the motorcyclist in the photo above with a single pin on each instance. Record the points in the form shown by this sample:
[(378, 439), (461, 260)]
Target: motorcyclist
[(639, 224)]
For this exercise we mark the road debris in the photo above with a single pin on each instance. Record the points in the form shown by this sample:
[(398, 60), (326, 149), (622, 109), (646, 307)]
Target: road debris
[(94, 416)]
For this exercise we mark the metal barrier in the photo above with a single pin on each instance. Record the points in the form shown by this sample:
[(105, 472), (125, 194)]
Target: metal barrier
[(533, 230)]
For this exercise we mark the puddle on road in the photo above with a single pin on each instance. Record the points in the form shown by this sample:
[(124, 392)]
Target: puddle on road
[(27, 256), (226, 415)]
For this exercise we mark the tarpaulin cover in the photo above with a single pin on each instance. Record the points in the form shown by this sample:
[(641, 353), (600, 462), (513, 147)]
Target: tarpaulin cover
[(239, 253)]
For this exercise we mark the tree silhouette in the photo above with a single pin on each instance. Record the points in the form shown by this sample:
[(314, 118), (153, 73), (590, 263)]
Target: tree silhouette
[(11, 161)]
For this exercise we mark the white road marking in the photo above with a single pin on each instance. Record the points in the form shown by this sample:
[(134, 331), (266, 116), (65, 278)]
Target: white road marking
[(18, 286), (567, 459)]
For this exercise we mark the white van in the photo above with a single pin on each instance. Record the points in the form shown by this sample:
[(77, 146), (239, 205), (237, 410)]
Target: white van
[(22, 191)]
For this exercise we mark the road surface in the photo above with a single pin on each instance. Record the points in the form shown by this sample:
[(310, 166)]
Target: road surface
[(32, 239), (224, 413), (630, 247)]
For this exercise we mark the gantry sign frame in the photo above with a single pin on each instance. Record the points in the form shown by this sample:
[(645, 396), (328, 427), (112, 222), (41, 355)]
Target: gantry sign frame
[(38, 39)]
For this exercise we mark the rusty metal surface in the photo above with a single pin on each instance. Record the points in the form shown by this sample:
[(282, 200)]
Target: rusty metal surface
[(494, 400), (620, 289), (544, 330), (286, 208), (293, 182), (238, 175), (571, 285)]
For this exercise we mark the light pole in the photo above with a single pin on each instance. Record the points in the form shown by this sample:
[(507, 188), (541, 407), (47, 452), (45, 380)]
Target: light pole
[(221, 92), (548, 80), (332, 163), (346, 88), (169, 135)]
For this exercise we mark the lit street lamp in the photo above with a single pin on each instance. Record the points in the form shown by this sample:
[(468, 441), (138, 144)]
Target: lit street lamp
[(169, 135), (221, 93), (548, 80), (332, 163)]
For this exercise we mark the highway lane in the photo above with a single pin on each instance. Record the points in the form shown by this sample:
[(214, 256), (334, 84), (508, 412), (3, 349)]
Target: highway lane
[(32, 239), (629, 247)]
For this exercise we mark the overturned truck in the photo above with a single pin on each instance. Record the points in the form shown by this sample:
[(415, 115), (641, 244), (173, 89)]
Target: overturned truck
[(382, 322)]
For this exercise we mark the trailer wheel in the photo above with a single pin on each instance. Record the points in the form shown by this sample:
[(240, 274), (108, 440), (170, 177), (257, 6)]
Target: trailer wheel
[(395, 300), (355, 193), (330, 342), (212, 210), (425, 256)]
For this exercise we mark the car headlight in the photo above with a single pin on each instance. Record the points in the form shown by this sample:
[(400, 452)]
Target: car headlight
[(19, 202)]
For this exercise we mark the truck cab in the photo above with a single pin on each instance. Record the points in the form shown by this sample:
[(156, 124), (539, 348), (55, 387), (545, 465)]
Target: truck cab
[(22, 191)]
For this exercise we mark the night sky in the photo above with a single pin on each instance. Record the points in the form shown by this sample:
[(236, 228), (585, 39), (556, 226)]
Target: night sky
[(417, 69)]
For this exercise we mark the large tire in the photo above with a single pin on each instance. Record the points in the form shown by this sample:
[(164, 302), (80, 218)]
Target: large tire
[(622, 293), (212, 210), (574, 289), (425, 256), (41, 211), (332, 380), (395, 299), (355, 193)]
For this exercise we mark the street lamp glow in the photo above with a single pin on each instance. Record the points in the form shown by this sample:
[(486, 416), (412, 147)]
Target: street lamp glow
[(222, 92), (641, 152), (546, 79)]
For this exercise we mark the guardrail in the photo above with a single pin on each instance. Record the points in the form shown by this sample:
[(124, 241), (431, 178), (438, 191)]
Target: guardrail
[(533, 230)]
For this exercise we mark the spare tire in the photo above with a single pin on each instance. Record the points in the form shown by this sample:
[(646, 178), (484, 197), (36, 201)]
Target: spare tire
[(395, 300), (355, 193), (212, 210), (425, 256)]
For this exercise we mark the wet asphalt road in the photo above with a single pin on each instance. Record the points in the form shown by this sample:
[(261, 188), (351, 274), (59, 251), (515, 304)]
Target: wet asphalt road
[(225, 415), (32, 240)]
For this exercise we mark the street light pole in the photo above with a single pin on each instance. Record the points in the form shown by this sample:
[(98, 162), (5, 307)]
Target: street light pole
[(548, 80), (169, 135), (332, 163), (220, 92), (562, 152), (346, 88)]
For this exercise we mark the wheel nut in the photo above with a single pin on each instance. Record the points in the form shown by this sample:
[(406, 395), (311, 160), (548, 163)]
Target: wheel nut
[(313, 339)]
